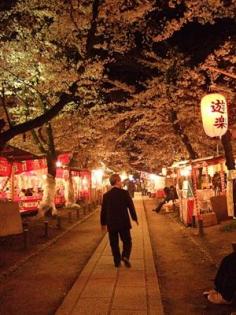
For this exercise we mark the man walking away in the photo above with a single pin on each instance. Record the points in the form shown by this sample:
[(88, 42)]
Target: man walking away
[(115, 215)]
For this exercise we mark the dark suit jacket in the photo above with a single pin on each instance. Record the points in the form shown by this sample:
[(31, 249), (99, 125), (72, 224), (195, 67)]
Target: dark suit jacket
[(114, 213)]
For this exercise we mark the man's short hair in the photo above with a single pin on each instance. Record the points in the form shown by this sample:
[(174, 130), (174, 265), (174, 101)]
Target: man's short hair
[(114, 179)]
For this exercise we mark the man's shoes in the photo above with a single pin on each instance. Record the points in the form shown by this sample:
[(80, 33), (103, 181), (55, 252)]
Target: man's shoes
[(154, 210), (126, 262), (217, 298), (117, 265)]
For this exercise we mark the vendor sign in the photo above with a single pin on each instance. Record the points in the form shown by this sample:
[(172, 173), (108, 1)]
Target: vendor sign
[(5, 167)]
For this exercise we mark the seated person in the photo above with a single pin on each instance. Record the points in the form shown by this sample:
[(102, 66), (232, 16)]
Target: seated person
[(168, 197), (225, 282)]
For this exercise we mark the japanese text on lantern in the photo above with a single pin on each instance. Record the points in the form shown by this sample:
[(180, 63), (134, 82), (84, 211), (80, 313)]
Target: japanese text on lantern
[(214, 114), (218, 106)]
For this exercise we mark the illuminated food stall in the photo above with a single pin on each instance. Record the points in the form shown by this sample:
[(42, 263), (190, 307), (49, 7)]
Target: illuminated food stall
[(201, 183), (209, 180), (184, 189), (82, 184), (153, 184), (28, 183), (99, 183), (18, 177)]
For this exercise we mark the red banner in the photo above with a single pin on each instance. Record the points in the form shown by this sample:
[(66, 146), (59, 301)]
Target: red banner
[(62, 173), (29, 165), (64, 158), (5, 167)]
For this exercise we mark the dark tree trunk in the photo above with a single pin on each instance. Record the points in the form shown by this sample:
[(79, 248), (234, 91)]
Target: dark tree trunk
[(48, 204), (226, 142), (180, 132), (230, 163), (51, 164)]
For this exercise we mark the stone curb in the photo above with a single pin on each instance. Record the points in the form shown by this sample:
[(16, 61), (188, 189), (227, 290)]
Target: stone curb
[(153, 288)]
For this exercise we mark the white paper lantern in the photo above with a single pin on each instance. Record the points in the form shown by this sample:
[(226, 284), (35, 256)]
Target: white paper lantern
[(164, 171), (214, 114)]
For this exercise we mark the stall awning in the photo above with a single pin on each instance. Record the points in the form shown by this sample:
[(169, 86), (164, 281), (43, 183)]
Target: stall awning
[(211, 160), (21, 160), (13, 154)]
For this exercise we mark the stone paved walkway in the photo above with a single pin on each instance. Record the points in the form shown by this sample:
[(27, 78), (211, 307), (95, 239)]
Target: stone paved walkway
[(102, 289)]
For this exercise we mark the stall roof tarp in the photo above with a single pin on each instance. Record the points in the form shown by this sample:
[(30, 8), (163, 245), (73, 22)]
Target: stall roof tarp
[(15, 154), (205, 161), (211, 160)]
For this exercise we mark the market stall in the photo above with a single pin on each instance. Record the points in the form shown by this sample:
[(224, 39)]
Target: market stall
[(153, 184), (27, 178), (199, 182), (17, 181), (82, 184), (209, 179), (99, 182), (184, 189)]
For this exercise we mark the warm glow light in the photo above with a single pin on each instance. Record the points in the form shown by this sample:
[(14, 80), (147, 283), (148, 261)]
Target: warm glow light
[(211, 170), (214, 114), (58, 164), (97, 177), (164, 171), (85, 183), (186, 171), (153, 177), (123, 176), (131, 177), (98, 174)]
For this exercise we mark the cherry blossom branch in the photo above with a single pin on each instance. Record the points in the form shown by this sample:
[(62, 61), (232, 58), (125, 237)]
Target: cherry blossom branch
[(228, 74)]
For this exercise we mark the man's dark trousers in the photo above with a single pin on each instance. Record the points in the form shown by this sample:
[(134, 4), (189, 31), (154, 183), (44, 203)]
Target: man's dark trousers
[(114, 243)]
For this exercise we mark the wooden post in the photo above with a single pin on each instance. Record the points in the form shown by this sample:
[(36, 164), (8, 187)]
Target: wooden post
[(230, 163), (46, 228), (199, 216), (222, 178), (12, 186), (234, 247), (26, 238), (69, 216), (200, 227), (59, 222), (77, 213), (193, 221)]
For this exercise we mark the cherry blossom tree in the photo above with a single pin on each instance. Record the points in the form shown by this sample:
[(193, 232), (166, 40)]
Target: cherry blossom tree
[(141, 68)]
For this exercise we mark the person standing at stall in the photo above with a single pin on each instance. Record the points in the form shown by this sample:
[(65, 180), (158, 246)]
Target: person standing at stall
[(116, 207)]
